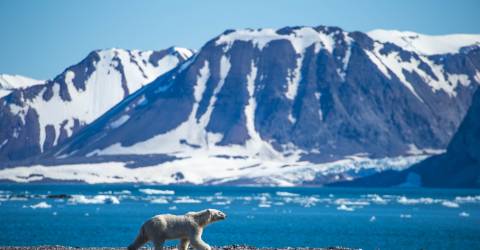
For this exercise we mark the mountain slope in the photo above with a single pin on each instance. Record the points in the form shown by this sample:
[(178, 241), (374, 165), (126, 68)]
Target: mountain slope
[(8, 83), (293, 106), (321, 90), (458, 167), (37, 118)]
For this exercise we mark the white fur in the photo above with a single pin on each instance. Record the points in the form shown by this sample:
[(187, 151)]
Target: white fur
[(188, 228)]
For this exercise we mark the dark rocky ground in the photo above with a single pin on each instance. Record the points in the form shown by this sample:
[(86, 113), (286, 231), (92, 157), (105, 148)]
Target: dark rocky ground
[(233, 247)]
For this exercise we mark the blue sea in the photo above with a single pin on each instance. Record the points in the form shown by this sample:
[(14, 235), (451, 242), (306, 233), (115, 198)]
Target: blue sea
[(110, 215)]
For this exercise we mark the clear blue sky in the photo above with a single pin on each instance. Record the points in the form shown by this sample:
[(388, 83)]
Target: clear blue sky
[(41, 38)]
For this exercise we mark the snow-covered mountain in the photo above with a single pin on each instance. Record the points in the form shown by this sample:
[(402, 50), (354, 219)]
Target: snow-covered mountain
[(293, 106), (39, 117), (458, 167), (8, 83)]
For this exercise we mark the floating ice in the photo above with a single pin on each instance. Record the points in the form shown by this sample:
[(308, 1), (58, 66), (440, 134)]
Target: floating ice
[(156, 191), (467, 199), (97, 199), (377, 199), (42, 204), (464, 214), (221, 203), (405, 216), (343, 207), (343, 201), (424, 200), (308, 201), (17, 199), (159, 201), (116, 192), (287, 194), (264, 205), (186, 200), (450, 204)]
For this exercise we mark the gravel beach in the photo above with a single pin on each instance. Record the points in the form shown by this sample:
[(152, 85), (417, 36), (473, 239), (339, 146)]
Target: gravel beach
[(233, 247)]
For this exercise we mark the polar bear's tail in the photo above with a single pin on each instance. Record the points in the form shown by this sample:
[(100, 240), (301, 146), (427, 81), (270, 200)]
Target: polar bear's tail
[(140, 240)]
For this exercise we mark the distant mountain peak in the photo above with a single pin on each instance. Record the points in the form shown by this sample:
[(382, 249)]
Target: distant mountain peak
[(41, 116), (426, 44), (301, 37), (8, 83)]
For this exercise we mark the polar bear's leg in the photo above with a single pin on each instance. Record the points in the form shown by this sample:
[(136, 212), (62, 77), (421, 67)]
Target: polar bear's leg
[(183, 244), (158, 244), (139, 241), (199, 244)]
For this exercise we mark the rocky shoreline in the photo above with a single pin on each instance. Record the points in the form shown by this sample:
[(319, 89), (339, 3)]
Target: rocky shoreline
[(232, 247)]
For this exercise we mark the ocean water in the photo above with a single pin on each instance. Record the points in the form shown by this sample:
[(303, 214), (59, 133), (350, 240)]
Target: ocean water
[(110, 215)]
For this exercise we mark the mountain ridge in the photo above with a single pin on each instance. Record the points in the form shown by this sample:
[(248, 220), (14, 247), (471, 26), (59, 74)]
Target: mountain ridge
[(291, 106), (8, 83), (61, 106)]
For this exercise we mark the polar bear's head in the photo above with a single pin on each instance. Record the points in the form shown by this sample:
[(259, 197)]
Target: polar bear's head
[(207, 216), (216, 215)]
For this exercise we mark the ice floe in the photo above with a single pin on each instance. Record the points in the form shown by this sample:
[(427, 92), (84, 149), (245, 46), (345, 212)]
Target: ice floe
[(405, 216), (412, 201), (285, 194), (156, 191), (464, 214), (97, 199), (159, 201), (186, 200), (42, 204), (467, 199), (450, 204), (343, 207)]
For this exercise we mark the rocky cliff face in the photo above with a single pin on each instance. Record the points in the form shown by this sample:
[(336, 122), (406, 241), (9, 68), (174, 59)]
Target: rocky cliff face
[(36, 118), (458, 167)]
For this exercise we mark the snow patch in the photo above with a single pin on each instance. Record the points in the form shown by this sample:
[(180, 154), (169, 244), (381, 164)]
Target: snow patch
[(8, 83), (119, 122), (425, 44), (300, 38), (392, 62)]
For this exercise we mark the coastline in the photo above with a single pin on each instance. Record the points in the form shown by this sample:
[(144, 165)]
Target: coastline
[(231, 247)]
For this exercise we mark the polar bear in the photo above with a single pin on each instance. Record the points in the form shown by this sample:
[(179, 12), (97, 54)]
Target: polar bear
[(188, 228)]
